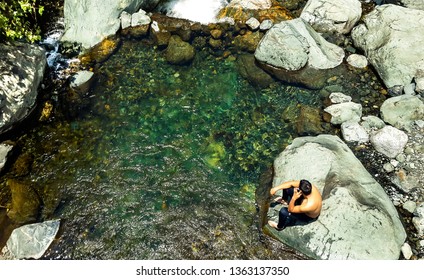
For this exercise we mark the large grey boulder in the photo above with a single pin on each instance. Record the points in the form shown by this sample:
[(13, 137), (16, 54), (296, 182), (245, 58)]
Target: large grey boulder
[(392, 38), (358, 220), (31, 241), (21, 72), (294, 52), (88, 22), (402, 111), (332, 15), (413, 4)]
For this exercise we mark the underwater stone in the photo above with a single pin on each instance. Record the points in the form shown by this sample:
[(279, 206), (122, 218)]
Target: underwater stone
[(25, 202), (178, 51)]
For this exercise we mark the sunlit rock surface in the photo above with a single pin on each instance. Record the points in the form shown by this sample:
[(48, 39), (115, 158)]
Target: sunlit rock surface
[(21, 72), (354, 204), (392, 39)]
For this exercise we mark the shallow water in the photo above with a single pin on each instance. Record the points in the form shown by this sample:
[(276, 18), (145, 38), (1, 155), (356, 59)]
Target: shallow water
[(163, 161)]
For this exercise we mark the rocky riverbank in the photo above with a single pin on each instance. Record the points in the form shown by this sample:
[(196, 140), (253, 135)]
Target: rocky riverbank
[(329, 53)]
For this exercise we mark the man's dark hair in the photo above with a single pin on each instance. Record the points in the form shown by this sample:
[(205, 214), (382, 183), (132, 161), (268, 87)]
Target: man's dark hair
[(305, 186)]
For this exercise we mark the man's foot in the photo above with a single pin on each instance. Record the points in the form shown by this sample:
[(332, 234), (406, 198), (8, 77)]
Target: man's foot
[(274, 225), (280, 200)]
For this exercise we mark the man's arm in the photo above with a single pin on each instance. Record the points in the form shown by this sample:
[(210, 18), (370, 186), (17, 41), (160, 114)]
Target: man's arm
[(302, 208), (285, 185)]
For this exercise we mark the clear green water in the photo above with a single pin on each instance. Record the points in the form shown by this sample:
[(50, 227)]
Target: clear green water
[(164, 162)]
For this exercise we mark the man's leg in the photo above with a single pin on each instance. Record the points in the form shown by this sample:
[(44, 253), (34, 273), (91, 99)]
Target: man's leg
[(283, 218)]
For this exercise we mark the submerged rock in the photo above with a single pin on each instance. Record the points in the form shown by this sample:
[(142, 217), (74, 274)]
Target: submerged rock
[(248, 69), (25, 202), (248, 42), (179, 52), (353, 204), (31, 241), (102, 51)]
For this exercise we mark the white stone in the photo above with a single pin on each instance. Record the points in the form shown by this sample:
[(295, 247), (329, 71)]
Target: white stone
[(410, 206), (371, 123), (354, 132), (389, 141), (332, 15), (357, 60), (343, 112), (406, 251), (418, 220), (388, 167), (125, 20), (140, 18), (204, 11), (4, 151), (253, 23), (394, 162), (266, 25), (31, 241), (338, 97), (82, 81), (409, 89)]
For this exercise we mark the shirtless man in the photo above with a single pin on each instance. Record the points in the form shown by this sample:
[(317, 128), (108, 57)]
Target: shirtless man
[(304, 203)]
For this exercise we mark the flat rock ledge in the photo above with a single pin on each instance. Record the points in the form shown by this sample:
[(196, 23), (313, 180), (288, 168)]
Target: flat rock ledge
[(358, 220)]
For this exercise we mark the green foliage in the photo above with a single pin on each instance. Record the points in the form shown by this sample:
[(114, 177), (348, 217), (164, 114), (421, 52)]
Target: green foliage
[(18, 19)]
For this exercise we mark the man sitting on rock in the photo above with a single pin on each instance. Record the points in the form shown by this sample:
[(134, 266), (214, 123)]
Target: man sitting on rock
[(304, 203)]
